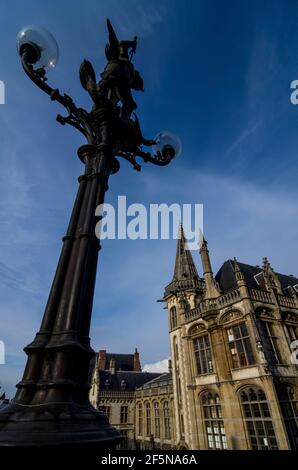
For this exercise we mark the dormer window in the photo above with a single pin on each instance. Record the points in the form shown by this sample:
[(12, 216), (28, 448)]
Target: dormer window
[(123, 385), (107, 384), (260, 280)]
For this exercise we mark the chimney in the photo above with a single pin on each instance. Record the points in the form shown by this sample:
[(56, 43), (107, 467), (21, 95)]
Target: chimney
[(101, 359), (136, 362), (112, 367)]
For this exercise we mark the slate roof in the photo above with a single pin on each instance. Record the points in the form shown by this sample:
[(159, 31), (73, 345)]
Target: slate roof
[(227, 281), (132, 379), (4, 403), (122, 361), (161, 380), (184, 264)]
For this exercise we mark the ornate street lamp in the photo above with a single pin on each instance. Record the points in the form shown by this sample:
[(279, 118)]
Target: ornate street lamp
[(51, 406)]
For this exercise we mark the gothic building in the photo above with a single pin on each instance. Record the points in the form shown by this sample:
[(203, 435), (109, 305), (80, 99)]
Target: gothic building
[(233, 340), (155, 413), (115, 377), (233, 383)]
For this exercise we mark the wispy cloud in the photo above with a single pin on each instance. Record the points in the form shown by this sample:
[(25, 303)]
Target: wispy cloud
[(244, 135), (248, 223), (159, 366), (247, 213), (15, 279)]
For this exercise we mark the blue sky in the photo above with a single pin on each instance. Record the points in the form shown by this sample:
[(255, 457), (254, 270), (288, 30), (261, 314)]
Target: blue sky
[(218, 74)]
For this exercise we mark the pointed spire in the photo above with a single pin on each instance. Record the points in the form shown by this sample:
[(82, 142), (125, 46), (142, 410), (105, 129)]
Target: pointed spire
[(271, 278), (211, 290), (266, 264), (204, 252), (184, 264), (237, 271), (236, 266), (240, 279), (203, 244)]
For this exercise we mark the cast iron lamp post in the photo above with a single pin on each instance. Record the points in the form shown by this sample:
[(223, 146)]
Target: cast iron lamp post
[(51, 406)]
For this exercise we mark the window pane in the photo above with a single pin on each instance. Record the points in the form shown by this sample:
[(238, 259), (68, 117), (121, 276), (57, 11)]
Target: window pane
[(214, 426), (265, 410), (240, 347), (203, 356), (257, 417)]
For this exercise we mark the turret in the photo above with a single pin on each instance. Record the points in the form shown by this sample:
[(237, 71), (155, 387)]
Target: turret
[(211, 289), (185, 275), (186, 287)]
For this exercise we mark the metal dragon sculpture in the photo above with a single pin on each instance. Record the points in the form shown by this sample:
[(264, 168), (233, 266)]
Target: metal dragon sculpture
[(112, 119)]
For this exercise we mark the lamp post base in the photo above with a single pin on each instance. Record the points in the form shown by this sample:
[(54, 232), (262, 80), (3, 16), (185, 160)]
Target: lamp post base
[(56, 425)]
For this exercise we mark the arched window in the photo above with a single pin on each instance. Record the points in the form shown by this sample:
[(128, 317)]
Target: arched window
[(258, 419), (140, 419), (148, 419), (289, 408), (167, 419), (156, 419), (173, 317), (214, 424)]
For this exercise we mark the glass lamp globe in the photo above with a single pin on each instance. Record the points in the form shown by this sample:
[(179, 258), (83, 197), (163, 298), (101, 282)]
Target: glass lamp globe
[(42, 43), (167, 145)]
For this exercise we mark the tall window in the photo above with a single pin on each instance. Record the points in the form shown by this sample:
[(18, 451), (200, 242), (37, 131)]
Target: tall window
[(140, 419), (258, 419), (124, 414), (272, 342), (167, 419), (203, 356), (240, 347), (214, 424), (106, 410), (148, 419), (182, 424), (156, 419), (176, 354), (173, 317), (289, 407)]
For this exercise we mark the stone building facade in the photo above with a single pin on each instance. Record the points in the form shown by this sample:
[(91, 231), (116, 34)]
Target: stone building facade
[(233, 383), (234, 354), (155, 424), (114, 380)]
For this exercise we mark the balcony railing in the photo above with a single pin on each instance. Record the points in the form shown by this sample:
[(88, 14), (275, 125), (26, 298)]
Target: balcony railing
[(182, 284), (115, 394), (206, 305), (234, 296), (261, 296), (285, 301), (229, 298)]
